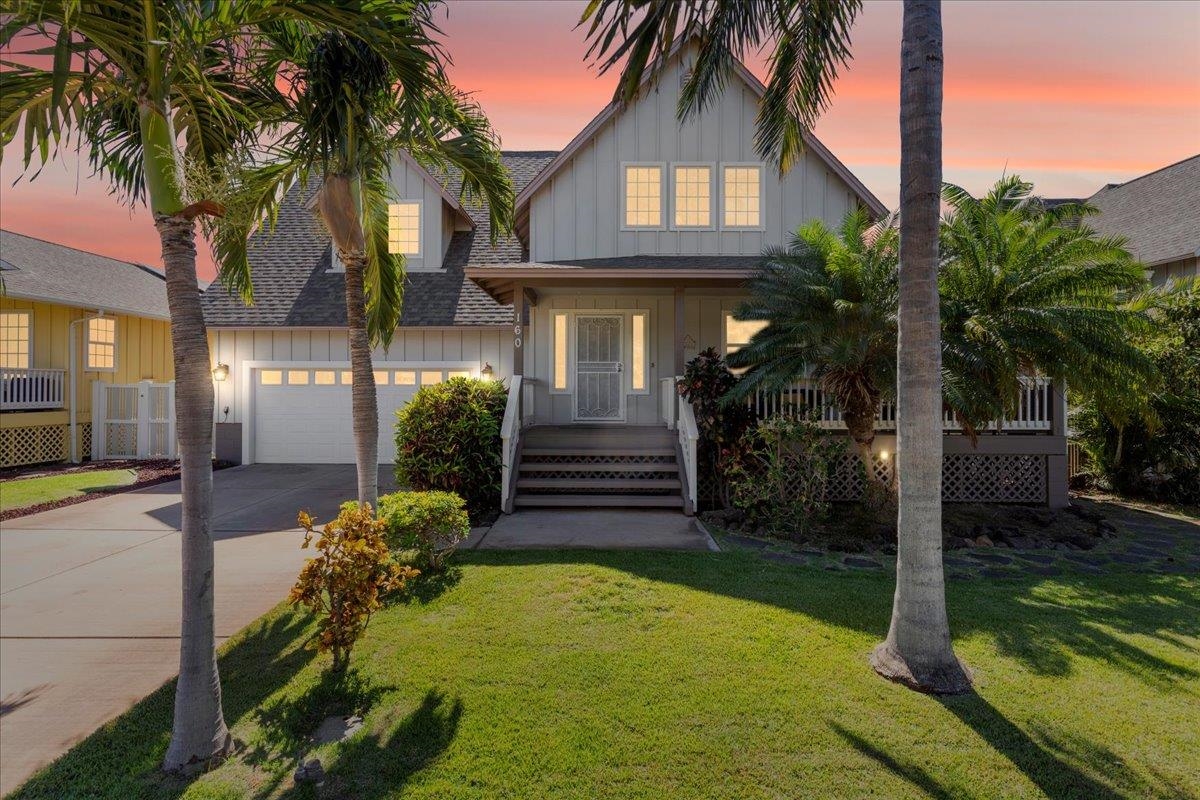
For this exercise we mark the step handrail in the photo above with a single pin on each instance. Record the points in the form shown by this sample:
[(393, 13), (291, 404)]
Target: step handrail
[(510, 440), (689, 438)]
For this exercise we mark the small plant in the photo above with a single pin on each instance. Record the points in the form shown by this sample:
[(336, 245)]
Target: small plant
[(345, 583), (448, 438), (431, 523), (722, 425), (781, 479)]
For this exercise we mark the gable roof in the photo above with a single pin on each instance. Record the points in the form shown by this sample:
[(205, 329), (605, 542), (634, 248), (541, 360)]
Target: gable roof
[(293, 286), (35, 269), (610, 111), (1159, 213)]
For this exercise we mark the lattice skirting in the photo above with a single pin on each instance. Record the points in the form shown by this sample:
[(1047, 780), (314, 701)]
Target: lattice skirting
[(41, 444)]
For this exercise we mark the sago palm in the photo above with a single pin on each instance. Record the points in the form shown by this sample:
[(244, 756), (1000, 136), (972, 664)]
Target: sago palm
[(1026, 290), (154, 90), (829, 301), (346, 112)]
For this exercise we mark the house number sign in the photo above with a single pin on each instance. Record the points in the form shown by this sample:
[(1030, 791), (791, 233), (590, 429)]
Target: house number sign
[(517, 336)]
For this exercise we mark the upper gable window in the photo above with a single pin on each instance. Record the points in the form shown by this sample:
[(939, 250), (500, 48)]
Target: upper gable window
[(643, 195), (404, 228), (741, 195), (102, 343), (693, 195), (14, 340)]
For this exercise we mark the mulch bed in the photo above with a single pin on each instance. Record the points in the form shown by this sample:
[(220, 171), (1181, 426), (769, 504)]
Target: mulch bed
[(149, 473)]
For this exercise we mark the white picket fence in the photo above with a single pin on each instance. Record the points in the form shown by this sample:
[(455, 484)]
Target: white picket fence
[(134, 420)]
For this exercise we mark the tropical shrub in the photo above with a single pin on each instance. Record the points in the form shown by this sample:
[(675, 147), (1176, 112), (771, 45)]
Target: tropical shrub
[(781, 479), (448, 439), (429, 523), (345, 583), (722, 425)]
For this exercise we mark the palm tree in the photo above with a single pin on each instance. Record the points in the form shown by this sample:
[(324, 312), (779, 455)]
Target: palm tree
[(155, 90), (917, 650), (1028, 290), (346, 111), (829, 301)]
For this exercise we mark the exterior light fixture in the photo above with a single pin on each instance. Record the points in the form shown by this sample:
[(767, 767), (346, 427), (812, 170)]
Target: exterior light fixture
[(487, 371), (220, 372), (883, 455)]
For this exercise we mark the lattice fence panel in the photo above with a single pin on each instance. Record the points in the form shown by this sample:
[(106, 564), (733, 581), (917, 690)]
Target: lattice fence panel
[(846, 482), (36, 444), (582, 474), (969, 478), (579, 458), (85, 440)]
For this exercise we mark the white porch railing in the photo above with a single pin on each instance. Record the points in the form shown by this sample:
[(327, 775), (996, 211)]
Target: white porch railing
[(31, 389), (668, 401), (689, 438), (1035, 408), (510, 440), (133, 420)]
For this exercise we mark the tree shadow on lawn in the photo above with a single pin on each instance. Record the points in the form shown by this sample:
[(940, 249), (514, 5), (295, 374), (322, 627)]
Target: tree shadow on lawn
[(123, 757), (1044, 623)]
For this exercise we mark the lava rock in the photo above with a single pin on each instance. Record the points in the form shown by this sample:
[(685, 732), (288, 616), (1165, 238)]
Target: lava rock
[(310, 771)]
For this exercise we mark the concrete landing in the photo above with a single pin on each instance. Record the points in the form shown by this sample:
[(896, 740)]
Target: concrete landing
[(605, 529)]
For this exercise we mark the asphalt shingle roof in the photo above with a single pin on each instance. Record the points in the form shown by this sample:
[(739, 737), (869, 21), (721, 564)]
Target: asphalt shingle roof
[(35, 269), (294, 288), (1158, 213)]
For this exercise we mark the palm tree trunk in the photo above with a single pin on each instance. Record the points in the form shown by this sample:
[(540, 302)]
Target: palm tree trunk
[(198, 733), (365, 405), (917, 650)]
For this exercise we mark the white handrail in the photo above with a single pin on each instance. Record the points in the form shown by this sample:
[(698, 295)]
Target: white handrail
[(29, 389), (510, 438), (689, 437), (667, 400)]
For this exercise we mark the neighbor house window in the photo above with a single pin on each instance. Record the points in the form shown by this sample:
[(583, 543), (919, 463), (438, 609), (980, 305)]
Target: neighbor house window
[(14, 340), (102, 343), (639, 339), (741, 196), (404, 228), (738, 332), (693, 196), (643, 196), (558, 366)]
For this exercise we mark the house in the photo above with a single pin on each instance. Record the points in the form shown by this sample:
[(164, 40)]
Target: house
[(1159, 213), (631, 249), (70, 321)]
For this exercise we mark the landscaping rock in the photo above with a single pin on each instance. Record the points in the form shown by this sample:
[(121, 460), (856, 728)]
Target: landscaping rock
[(310, 771), (746, 541), (983, 541), (785, 558), (1037, 558), (992, 572), (861, 563), (993, 558)]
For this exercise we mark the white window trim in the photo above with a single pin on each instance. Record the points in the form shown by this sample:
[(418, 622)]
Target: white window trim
[(420, 203), (28, 334), (762, 195), (662, 195), (712, 196), (87, 340), (569, 384)]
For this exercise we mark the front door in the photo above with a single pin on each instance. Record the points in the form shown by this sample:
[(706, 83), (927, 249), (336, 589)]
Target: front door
[(599, 368)]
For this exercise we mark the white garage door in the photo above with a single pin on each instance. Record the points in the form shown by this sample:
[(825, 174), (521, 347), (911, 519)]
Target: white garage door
[(303, 415)]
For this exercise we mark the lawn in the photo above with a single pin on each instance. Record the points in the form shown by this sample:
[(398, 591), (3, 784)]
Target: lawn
[(708, 675), (23, 492)]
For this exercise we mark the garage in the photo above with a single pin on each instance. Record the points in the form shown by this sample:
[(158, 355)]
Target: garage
[(302, 413)]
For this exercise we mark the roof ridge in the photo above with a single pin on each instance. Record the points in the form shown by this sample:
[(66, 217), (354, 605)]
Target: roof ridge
[(143, 267), (1147, 175), (529, 152)]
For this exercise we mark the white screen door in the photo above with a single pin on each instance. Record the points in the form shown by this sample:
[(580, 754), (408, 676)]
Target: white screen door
[(599, 382)]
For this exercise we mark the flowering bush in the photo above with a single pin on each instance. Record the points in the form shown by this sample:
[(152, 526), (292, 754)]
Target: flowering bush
[(345, 583)]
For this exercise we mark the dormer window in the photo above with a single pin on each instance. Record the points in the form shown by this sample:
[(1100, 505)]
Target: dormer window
[(741, 196), (404, 228), (642, 193), (692, 195)]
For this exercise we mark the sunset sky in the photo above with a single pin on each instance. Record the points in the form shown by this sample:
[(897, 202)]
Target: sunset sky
[(1071, 95)]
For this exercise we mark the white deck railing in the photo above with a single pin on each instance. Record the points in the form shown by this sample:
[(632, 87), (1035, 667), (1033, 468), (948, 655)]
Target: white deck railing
[(31, 389), (689, 438), (510, 440), (1035, 407), (668, 399)]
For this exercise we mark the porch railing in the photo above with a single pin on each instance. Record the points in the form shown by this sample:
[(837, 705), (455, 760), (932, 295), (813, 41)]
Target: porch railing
[(1035, 407), (31, 389), (510, 440), (689, 439), (668, 399)]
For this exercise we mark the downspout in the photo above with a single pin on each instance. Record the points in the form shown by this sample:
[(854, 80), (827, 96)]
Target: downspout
[(72, 372)]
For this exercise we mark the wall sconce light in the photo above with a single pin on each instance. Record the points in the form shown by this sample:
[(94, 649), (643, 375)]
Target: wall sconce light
[(884, 455), (487, 372), (220, 372)]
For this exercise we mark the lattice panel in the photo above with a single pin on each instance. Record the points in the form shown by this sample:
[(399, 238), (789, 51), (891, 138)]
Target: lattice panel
[(599, 490), (968, 478), (582, 474), (580, 458), (120, 439), (846, 481), (33, 445), (85, 440)]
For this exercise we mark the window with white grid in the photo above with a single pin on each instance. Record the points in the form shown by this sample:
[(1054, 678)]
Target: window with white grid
[(643, 196), (741, 193), (693, 196), (102, 343), (14, 340), (404, 228)]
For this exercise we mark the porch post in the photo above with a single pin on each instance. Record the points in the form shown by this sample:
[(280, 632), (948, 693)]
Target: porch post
[(680, 331), (518, 329)]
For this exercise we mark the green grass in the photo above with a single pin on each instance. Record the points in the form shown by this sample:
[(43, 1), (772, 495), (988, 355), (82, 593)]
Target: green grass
[(654, 675), (24, 492)]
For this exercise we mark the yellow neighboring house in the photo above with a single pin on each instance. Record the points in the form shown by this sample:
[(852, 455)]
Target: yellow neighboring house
[(69, 318)]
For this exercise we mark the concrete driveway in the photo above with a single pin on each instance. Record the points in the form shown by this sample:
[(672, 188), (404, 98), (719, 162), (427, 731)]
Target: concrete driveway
[(90, 596)]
